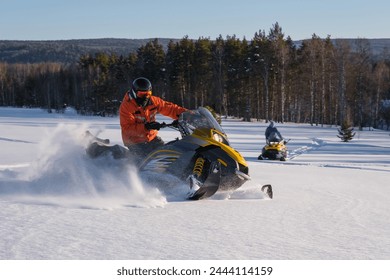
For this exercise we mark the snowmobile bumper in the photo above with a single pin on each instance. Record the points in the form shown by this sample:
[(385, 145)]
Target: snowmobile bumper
[(242, 175)]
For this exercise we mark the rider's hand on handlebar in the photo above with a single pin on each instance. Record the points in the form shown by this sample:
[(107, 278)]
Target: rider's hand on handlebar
[(153, 125), (175, 123)]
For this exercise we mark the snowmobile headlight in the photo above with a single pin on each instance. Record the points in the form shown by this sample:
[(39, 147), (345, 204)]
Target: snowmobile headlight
[(220, 138), (217, 137)]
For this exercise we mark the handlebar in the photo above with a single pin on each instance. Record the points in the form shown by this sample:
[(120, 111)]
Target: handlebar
[(174, 124)]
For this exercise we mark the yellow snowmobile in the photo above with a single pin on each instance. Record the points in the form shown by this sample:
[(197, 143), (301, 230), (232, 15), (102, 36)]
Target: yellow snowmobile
[(202, 157), (274, 151)]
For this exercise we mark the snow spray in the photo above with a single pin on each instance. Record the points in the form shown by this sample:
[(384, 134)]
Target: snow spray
[(64, 175)]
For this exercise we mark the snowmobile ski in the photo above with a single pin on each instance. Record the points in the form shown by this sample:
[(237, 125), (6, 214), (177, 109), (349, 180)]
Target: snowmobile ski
[(210, 186), (267, 189)]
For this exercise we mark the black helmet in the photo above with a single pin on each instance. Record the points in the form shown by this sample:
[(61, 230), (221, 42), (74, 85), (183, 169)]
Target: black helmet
[(140, 84), (141, 90)]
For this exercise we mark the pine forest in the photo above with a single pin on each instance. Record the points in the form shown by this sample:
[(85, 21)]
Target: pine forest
[(320, 81)]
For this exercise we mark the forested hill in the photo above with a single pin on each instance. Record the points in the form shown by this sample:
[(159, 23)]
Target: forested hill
[(69, 51), (378, 46)]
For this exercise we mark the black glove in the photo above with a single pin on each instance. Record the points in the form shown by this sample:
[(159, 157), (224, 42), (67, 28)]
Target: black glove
[(152, 125), (175, 123)]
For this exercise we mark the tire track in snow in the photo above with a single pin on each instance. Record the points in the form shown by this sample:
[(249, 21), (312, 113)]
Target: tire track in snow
[(316, 143), (14, 166)]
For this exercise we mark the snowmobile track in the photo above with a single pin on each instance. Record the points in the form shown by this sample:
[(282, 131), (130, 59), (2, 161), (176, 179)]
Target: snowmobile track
[(316, 144)]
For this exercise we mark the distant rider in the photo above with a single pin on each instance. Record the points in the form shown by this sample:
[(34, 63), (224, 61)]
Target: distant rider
[(138, 117), (272, 134)]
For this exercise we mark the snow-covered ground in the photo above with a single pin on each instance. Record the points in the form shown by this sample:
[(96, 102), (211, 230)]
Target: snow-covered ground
[(331, 199)]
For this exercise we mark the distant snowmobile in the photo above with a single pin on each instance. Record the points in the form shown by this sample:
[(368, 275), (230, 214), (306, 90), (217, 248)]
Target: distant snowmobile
[(274, 151), (203, 156)]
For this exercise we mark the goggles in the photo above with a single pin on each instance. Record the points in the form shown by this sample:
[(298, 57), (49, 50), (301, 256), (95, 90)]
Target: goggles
[(143, 94)]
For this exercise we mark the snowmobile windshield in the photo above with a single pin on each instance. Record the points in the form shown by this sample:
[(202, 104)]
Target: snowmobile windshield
[(197, 119)]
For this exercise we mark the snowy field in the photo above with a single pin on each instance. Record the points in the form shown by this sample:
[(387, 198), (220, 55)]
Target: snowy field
[(331, 199)]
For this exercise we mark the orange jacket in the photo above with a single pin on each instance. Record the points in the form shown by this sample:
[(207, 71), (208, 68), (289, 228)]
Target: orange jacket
[(133, 118)]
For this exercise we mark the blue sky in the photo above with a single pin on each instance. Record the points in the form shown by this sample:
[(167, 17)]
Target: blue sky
[(140, 19)]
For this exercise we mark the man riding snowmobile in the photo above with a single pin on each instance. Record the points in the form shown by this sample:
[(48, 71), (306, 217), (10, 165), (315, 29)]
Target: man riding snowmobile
[(138, 117), (272, 134), (202, 156), (139, 128), (275, 147)]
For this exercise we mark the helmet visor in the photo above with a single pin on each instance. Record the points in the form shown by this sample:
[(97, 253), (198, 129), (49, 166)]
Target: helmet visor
[(144, 94)]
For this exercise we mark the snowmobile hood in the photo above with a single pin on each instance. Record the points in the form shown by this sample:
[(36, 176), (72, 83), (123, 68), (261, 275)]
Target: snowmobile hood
[(216, 138), (275, 145)]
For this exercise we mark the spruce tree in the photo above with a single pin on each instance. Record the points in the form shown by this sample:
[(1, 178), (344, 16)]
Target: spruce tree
[(346, 132)]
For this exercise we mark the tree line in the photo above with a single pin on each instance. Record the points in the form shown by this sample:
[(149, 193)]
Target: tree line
[(320, 81)]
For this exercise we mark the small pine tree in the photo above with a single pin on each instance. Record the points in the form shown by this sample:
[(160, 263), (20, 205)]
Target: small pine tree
[(346, 132)]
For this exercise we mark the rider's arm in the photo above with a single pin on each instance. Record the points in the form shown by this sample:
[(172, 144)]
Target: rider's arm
[(168, 109)]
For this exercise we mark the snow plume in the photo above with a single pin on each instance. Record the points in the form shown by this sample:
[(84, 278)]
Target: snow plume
[(64, 175), (173, 188)]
